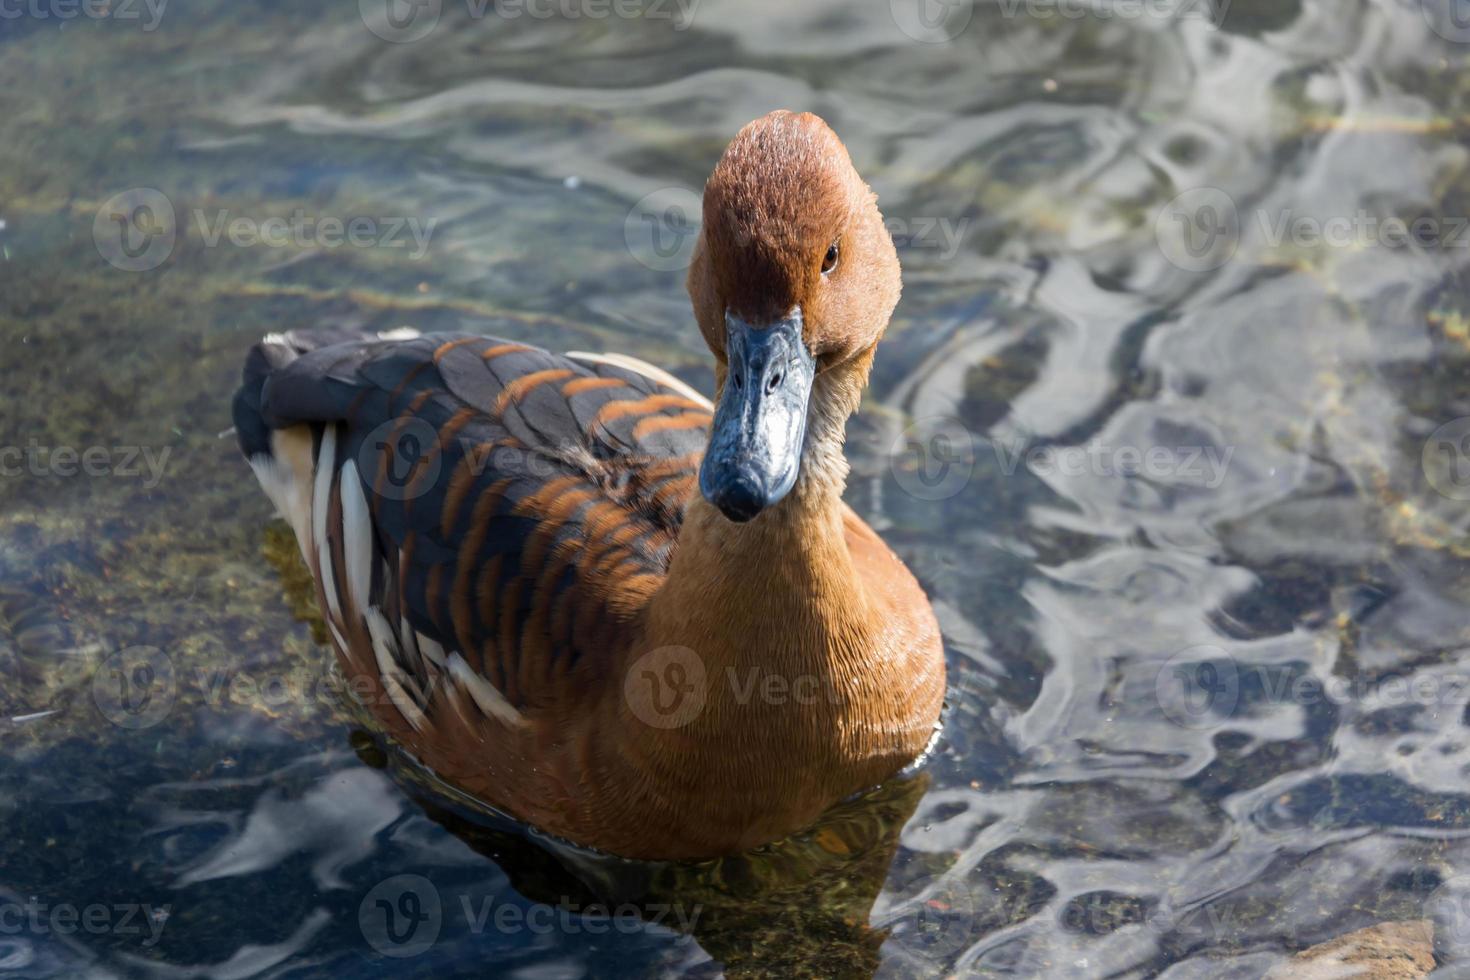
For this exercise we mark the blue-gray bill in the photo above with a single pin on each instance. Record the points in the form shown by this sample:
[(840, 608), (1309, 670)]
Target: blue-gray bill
[(760, 423)]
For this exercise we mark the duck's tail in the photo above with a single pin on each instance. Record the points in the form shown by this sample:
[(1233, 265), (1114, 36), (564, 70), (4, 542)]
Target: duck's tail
[(275, 352)]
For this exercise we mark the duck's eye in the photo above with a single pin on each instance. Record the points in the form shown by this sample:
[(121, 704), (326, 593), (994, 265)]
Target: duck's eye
[(829, 261)]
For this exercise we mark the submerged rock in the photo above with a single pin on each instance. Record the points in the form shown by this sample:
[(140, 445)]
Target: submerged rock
[(1388, 951)]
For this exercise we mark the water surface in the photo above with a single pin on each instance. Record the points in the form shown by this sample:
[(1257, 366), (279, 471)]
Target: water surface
[(1174, 469)]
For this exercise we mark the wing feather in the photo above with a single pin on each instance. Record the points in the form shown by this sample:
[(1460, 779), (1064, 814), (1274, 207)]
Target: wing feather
[(513, 507)]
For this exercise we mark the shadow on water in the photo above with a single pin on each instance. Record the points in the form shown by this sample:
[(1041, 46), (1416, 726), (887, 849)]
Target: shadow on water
[(799, 908)]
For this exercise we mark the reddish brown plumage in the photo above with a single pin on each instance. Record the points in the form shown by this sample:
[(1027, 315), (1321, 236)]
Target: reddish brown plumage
[(500, 350), (782, 193), (524, 385), (557, 632)]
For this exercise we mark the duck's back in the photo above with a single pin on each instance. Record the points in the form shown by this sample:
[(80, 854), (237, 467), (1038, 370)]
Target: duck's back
[(474, 510)]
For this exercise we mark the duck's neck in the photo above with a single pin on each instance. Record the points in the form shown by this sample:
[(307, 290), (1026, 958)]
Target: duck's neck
[(780, 592)]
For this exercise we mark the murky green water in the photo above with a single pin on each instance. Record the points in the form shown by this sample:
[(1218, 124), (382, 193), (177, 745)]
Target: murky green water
[(1177, 475)]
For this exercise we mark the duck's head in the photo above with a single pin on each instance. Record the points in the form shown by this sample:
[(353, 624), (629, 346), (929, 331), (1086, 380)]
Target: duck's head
[(793, 281)]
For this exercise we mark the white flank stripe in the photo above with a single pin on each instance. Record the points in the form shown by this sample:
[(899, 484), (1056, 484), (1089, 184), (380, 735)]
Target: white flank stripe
[(629, 363), (357, 536), (326, 463), (279, 485), (399, 333), (491, 701), (384, 646), (407, 637), (404, 703), (431, 648), (321, 498), (329, 582)]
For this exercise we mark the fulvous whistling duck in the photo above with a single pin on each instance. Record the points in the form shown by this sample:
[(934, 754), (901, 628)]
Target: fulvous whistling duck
[(574, 588)]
